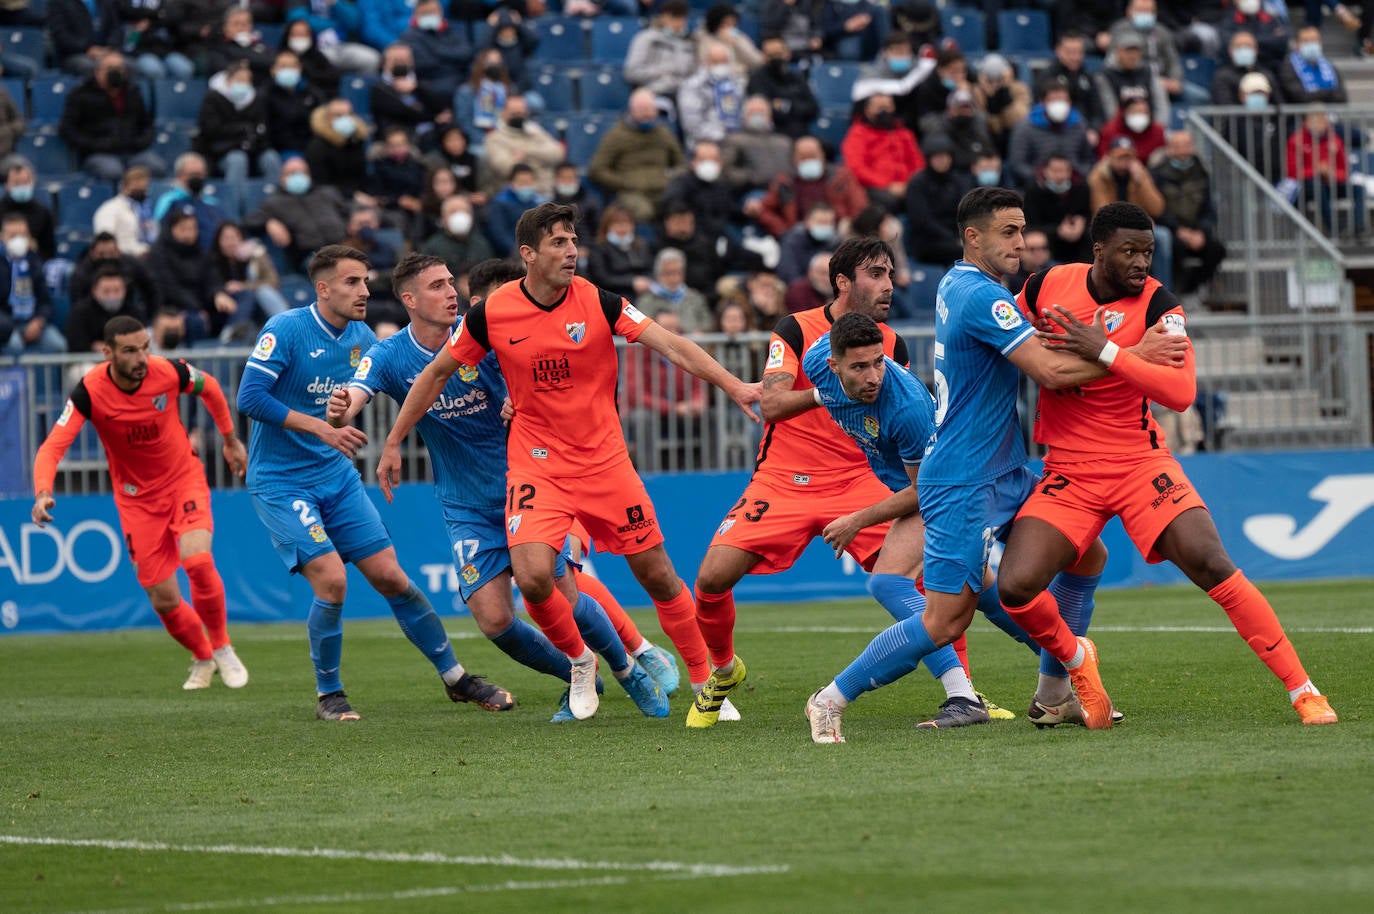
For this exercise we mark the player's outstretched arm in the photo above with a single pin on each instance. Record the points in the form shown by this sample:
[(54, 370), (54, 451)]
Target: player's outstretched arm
[(780, 401), (256, 401), (423, 393), (50, 454), (212, 395), (690, 357)]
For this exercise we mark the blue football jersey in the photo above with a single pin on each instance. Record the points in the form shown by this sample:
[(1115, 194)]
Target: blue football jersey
[(978, 436), (463, 428), (306, 358), (892, 431)]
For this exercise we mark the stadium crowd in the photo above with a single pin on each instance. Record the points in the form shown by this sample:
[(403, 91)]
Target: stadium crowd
[(177, 161)]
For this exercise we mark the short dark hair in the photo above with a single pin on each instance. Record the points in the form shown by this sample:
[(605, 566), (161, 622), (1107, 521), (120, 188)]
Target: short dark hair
[(410, 267), (105, 271), (328, 257), (980, 203), (852, 253), (120, 325), (520, 168), (853, 330), (1119, 215), (1052, 84), (486, 275), (534, 224), (718, 14), (14, 216), (103, 237), (674, 8)]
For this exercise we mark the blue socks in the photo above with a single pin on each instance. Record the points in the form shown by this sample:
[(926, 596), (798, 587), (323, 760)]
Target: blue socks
[(899, 596), (325, 626), (990, 605), (597, 630), (527, 645), (421, 625), (1074, 592), (888, 657)]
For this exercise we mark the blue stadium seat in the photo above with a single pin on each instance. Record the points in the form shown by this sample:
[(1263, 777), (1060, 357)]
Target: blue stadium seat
[(297, 290), (178, 99), (1024, 31), (834, 82), (271, 33), (558, 89), (50, 97), (831, 127), (47, 152), (925, 279), (77, 203), (604, 89), (226, 193), (583, 134), (611, 36), (965, 25), (751, 26), (19, 92), (252, 194), (28, 42), (356, 89), (560, 38), (1199, 70), (170, 142)]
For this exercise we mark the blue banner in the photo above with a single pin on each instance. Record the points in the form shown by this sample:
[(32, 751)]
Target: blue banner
[(1282, 516)]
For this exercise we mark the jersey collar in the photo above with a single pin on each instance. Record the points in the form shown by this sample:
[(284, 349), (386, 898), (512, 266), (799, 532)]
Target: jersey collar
[(540, 305), (334, 332), (429, 353)]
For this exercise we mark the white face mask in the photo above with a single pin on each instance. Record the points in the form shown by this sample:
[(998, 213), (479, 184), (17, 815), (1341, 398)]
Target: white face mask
[(17, 247), (243, 39), (707, 171), (1138, 123), (110, 305), (719, 71), (300, 45), (459, 223), (1248, 7), (1057, 111)]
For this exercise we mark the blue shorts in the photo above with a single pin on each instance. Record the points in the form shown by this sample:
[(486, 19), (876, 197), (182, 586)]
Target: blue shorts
[(308, 523), (480, 554), (961, 523)]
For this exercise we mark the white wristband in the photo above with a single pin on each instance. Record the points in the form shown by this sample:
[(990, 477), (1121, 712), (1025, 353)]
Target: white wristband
[(1108, 354), (816, 394)]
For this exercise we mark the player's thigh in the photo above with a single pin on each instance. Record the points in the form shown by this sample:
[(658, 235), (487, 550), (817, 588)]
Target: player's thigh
[(533, 565), (353, 523), (190, 502), (1152, 494), (772, 522), (539, 508), (295, 525), (1058, 523), (902, 548), (327, 576), (492, 605), (723, 567), (148, 538)]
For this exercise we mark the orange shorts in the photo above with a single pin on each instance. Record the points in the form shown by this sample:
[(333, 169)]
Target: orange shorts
[(1147, 491), (777, 519), (153, 523), (611, 503)]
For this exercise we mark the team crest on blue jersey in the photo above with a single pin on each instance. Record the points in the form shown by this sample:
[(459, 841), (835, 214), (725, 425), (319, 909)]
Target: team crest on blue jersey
[(513, 523), (871, 426), (576, 331), (468, 373), (316, 533), (160, 402), (1112, 320), (470, 574), (1005, 313), (355, 356)]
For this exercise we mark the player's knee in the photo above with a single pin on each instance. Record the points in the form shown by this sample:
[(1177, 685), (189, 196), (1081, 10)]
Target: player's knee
[(330, 588), (1210, 569), (536, 587), (165, 601)]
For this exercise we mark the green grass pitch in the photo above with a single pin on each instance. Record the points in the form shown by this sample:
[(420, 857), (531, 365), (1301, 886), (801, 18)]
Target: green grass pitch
[(122, 793)]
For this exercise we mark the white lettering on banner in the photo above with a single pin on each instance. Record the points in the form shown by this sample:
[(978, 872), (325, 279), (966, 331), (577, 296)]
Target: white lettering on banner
[(440, 578), (9, 614), (1346, 498), (23, 571)]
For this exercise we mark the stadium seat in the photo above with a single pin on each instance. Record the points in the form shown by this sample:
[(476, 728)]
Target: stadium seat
[(77, 203), (357, 90), (925, 279), (830, 128), (226, 193), (583, 134), (252, 194), (833, 82), (178, 99), (170, 143), (560, 38), (965, 25), (270, 32), (611, 36), (297, 290), (19, 92), (557, 88), (50, 97), (28, 42), (1199, 70), (1023, 32), (47, 152), (751, 26), (604, 89)]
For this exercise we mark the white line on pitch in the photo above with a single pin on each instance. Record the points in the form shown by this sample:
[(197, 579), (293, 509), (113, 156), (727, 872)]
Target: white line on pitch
[(328, 853), (1167, 629)]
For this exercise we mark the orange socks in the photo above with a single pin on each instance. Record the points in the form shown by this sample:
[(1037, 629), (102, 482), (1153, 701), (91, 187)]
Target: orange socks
[(207, 596), (678, 617), (1255, 621), (1041, 620), (716, 619), (555, 619), (183, 624)]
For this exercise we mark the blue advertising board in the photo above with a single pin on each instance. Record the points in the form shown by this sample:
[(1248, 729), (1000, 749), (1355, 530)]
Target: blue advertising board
[(1283, 516)]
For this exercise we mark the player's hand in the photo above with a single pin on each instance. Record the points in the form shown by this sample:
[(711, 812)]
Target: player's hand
[(337, 407), (1161, 347), (347, 440), (840, 532), (746, 395), (1083, 340), (42, 509), (507, 410), (236, 455), (389, 470)]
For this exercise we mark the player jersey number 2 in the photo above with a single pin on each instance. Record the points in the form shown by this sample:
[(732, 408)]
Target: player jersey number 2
[(303, 508), (941, 397)]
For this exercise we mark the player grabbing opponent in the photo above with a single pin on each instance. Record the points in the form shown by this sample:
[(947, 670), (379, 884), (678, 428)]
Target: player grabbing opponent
[(466, 439), (1107, 456), (553, 337), (159, 486), (307, 492)]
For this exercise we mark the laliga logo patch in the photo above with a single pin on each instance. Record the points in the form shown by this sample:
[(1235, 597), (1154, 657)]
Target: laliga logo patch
[(576, 331), (467, 373), (317, 533), (267, 344), (1174, 324), (513, 523), (633, 313), (160, 402), (363, 368), (355, 356), (66, 413), (1112, 320), (871, 426), (1006, 315), (775, 354), (470, 574)]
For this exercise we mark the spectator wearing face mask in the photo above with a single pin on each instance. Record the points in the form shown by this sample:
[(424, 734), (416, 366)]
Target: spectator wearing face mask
[(620, 261), (128, 216), (1070, 55), (515, 42), (661, 57), (931, 95), (25, 307), (181, 268), (881, 153), (810, 179), (1271, 33), (232, 128), (479, 101), (442, 52), (1126, 69), (383, 21), (106, 296), (635, 156), (20, 186), (506, 208), (1307, 77), (1190, 213), (454, 154), (398, 99), (1005, 99), (459, 240), (1257, 137), (965, 125), (337, 150), (140, 287), (755, 153), (817, 234), (1133, 121), (1242, 59), (853, 29), (289, 98), (188, 189), (570, 190), (721, 24), (303, 217), (316, 63), (704, 189), (239, 43), (789, 95), (1159, 49), (167, 331), (396, 178), (1058, 205), (519, 138), (710, 102), (1052, 127), (106, 122)]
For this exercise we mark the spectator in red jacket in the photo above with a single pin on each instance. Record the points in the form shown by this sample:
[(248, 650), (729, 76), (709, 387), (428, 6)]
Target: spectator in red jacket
[(1134, 120), (1317, 160), (880, 152)]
